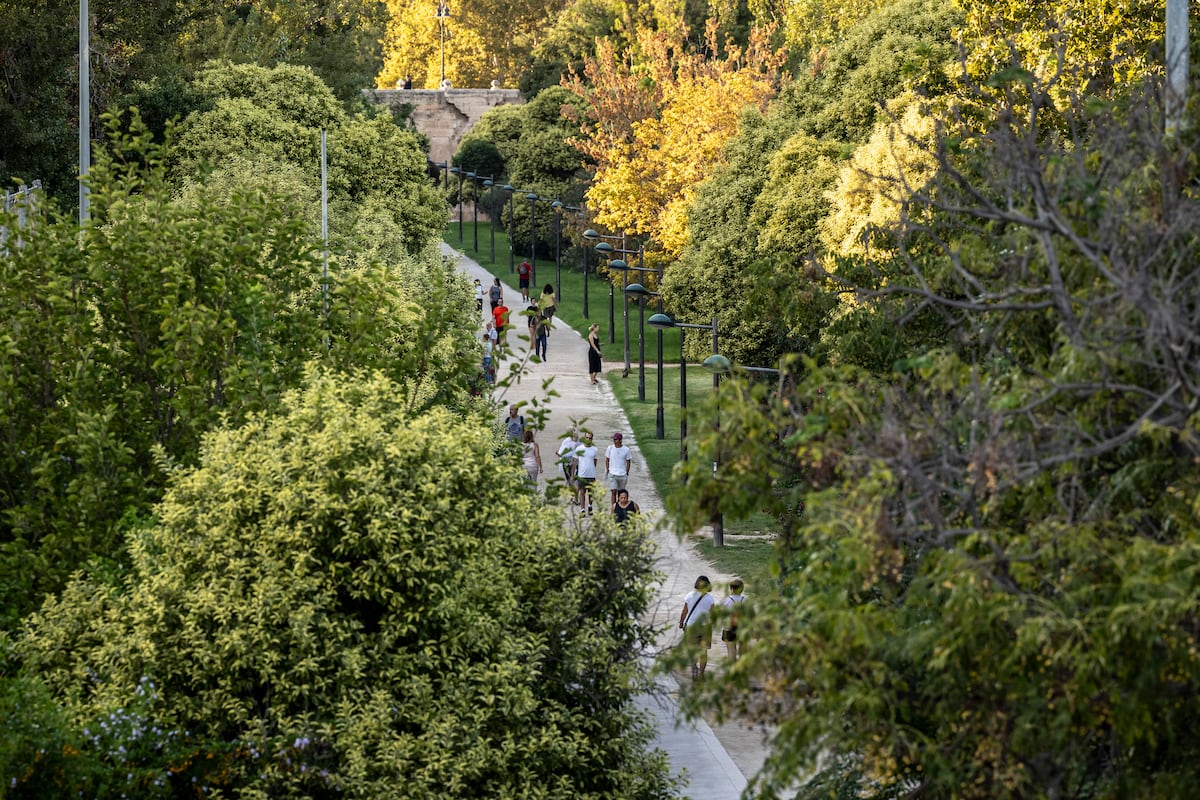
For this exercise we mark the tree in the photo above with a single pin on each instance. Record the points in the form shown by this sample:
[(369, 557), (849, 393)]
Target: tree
[(758, 219), (318, 609), (657, 119), (984, 588)]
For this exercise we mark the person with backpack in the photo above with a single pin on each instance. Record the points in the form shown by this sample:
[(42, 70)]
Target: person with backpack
[(524, 273), (496, 295), (514, 426)]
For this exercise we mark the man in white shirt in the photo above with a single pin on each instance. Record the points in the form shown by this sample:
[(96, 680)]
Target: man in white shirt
[(566, 459), (585, 470), (617, 462)]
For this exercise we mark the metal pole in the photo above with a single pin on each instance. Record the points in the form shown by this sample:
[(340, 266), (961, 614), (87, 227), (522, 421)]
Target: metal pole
[(682, 396), (475, 212), (512, 225), (85, 110), (625, 312), (558, 256), (719, 518), (612, 314), (585, 279), (1177, 64), (533, 242), (660, 431), (641, 350), (460, 210)]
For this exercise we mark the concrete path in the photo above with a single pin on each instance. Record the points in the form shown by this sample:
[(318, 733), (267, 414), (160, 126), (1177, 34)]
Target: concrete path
[(716, 764)]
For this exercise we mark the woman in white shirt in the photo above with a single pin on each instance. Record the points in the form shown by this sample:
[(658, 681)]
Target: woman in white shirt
[(696, 624)]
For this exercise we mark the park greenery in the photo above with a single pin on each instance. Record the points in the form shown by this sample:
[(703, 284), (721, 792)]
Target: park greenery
[(237, 545)]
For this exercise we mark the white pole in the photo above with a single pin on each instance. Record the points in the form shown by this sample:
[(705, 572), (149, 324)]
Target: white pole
[(1177, 65), (85, 106), (325, 234)]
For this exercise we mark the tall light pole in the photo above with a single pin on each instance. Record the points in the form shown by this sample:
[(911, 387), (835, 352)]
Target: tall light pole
[(85, 110), (488, 184), (532, 198), (665, 322), (512, 223), (475, 210), (558, 207), (443, 14), (461, 175), (640, 293)]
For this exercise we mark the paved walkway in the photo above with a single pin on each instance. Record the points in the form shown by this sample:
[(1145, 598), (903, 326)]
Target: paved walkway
[(716, 763)]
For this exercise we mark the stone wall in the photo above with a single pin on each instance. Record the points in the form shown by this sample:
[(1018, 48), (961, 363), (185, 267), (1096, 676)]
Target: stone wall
[(445, 116)]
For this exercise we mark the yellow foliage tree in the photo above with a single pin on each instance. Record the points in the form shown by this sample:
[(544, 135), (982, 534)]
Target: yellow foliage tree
[(657, 120), (882, 174), (485, 41)]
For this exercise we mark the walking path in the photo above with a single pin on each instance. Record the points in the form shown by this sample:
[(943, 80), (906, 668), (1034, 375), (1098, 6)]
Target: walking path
[(716, 763)]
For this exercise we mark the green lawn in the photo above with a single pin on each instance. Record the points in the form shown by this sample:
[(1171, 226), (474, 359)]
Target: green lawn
[(748, 558), (570, 306)]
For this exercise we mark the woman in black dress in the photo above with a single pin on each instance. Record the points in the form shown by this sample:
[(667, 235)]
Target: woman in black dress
[(594, 352)]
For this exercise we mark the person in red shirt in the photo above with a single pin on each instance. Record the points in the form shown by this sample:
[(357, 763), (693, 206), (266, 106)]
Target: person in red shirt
[(524, 274), (500, 316)]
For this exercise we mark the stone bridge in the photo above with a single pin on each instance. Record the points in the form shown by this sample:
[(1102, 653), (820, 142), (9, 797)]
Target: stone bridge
[(445, 115)]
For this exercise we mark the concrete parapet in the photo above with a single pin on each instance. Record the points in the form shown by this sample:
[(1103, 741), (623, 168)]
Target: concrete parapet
[(446, 116)]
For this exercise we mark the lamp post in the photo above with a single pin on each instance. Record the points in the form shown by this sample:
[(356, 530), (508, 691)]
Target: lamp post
[(641, 293), (488, 184), (442, 15), (475, 209), (665, 322), (607, 250), (637, 295), (558, 207), (461, 175), (511, 224), (532, 198)]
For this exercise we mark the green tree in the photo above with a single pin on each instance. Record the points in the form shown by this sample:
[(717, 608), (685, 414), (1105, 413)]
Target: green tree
[(755, 224), (317, 607), (983, 581)]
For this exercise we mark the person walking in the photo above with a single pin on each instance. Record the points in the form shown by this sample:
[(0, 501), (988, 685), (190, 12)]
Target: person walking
[(500, 318), (496, 294), (695, 623), (547, 303), (531, 457), (489, 372), (531, 320), (593, 339), (478, 295), (585, 470), (514, 425), (541, 338), (524, 272), (733, 648), (617, 462), (624, 508), (566, 459)]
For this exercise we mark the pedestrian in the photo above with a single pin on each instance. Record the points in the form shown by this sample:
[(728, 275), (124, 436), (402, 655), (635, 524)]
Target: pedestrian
[(593, 339), (496, 294), (524, 271), (617, 462), (585, 470), (478, 295), (566, 459), (489, 372), (532, 457), (541, 338), (407, 82), (733, 648), (624, 508), (696, 624), (548, 303), (531, 319), (514, 425), (500, 318), (493, 334)]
